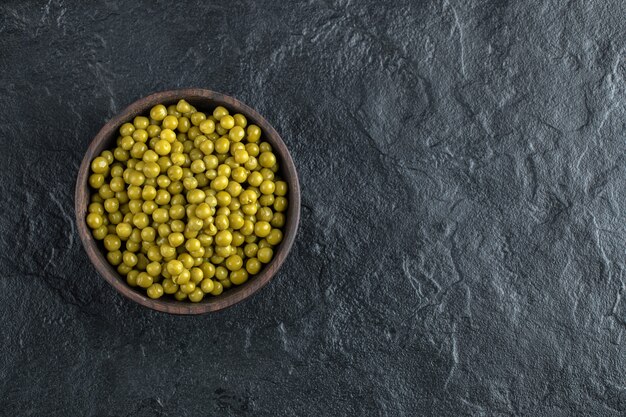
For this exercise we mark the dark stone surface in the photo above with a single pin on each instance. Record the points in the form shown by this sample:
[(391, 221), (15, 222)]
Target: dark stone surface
[(461, 251)]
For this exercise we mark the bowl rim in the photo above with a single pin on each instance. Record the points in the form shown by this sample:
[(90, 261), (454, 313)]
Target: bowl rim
[(102, 141)]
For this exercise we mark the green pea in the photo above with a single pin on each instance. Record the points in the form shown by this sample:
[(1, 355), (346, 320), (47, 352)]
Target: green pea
[(144, 280), (158, 112), (222, 145), (223, 238), (131, 277), (240, 120), (266, 200), (207, 126), (262, 229), (219, 112), (238, 239), (278, 220), (264, 214), (253, 266), (239, 276), (140, 135), (113, 242), (99, 165), (183, 107), (280, 204), (197, 118), (267, 174), (155, 291), (129, 258), (114, 257), (217, 288), (253, 133), (190, 183), (169, 287), (141, 122), (234, 262), (100, 233), (162, 197), (236, 133), (127, 143), (196, 295), (94, 220), (175, 239), (265, 254), (252, 149), (247, 229), (96, 180), (207, 285)]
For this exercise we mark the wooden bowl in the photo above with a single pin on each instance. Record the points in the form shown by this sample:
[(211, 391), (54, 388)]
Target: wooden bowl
[(204, 100)]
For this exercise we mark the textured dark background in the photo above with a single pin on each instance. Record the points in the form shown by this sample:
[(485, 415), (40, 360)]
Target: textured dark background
[(461, 250)]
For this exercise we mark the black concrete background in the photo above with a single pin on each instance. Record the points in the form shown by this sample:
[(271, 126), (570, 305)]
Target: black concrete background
[(461, 250)]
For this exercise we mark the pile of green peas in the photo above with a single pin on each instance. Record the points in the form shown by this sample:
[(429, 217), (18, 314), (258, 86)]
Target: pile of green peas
[(187, 204)]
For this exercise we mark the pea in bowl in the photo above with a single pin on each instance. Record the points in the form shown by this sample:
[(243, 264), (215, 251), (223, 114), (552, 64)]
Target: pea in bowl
[(187, 201)]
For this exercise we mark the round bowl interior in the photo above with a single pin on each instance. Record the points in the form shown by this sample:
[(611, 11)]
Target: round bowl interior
[(203, 100)]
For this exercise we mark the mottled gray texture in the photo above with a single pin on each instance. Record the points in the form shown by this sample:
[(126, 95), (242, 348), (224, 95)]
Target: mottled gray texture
[(461, 250)]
